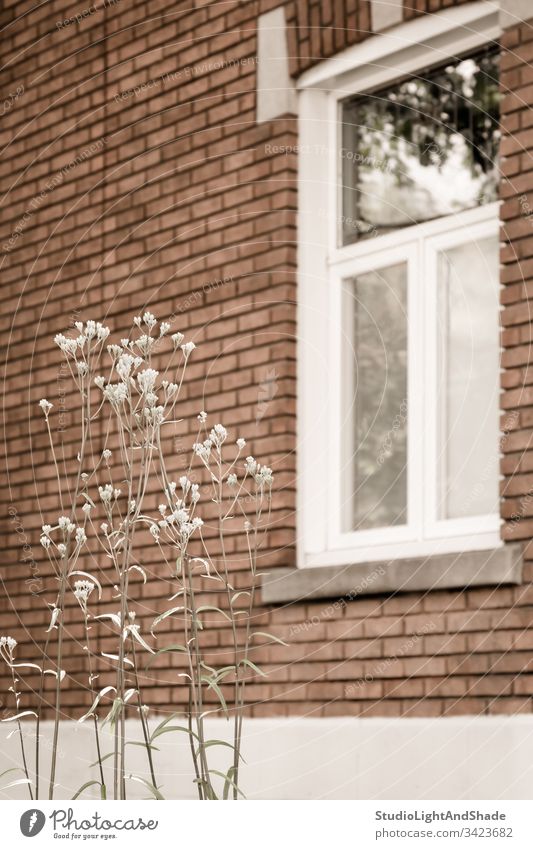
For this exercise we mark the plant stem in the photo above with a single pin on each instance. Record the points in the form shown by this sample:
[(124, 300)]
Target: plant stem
[(142, 716)]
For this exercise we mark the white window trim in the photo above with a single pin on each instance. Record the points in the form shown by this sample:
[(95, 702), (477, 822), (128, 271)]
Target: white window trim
[(377, 61)]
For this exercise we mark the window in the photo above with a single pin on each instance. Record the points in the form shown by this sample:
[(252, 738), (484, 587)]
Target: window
[(403, 283)]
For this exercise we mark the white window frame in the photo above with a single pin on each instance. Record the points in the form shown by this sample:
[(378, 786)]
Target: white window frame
[(323, 265)]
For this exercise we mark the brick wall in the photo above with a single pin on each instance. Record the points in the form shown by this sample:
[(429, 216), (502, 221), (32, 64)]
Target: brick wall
[(177, 190)]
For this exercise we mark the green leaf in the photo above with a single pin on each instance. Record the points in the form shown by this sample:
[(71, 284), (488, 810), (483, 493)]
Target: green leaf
[(84, 787), (247, 662), (173, 647), (216, 689), (114, 713), (128, 743), (164, 615), (167, 728), (16, 782), (153, 790), (11, 769), (165, 722), (228, 781), (236, 596), (100, 695), (19, 715), (269, 637), (206, 607), (210, 743), (208, 790)]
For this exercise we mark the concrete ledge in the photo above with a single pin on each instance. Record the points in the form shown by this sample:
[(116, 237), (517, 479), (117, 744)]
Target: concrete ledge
[(514, 12), (443, 571)]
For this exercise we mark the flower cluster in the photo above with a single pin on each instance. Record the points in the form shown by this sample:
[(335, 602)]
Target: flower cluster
[(67, 530), (82, 591)]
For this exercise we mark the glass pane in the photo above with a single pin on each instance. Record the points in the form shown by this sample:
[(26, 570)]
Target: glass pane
[(468, 390), (422, 149), (374, 425)]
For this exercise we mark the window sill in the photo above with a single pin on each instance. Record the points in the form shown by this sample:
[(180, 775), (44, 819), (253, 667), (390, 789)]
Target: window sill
[(466, 569)]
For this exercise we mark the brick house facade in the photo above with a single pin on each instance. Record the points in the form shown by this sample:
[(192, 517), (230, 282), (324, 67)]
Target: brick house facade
[(174, 198)]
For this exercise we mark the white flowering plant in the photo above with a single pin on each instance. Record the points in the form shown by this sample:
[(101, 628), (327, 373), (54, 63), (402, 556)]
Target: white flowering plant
[(107, 509)]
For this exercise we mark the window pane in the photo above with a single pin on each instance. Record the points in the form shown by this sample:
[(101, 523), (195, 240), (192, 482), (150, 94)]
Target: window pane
[(468, 390), (374, 426), (422, 149)]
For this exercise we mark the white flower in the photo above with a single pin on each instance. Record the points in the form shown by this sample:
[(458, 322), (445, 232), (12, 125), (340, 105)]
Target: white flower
[(9, 642), (114, 351), (177, 339), (106, 493), (137, 320), (188, 348), (241, 443), (154, 530), (247, 527), (202, 418), (164, 327), (124, 365), (264, 476), (104, 527), (149, 320), (145, 344), (133, 505), (116, 393), (106, 453), (250, 465), (125, 343), (47, 529), (197, 522), (82, 590), (116, 493), (83, 368), (102, 332), (45, 406), (162, 509), (81, 536), (99, 381), (195, 493), (45, 541), (232, 480), (68, 346), (62, 548), (218, 434), (86, 508)]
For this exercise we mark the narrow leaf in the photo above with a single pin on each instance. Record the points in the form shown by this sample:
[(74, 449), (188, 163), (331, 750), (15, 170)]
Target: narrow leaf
[(216, 689), (153, 790), (19, 715), (14, 783), (247, 662), (205, 607), (164, 615), (269, 637), (100, 695), (84, 787)]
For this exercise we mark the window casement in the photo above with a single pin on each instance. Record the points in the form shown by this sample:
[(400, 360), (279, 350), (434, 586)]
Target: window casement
[(399, 295)]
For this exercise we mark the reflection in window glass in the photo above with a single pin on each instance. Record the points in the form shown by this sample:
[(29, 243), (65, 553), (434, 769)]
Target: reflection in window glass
[(374, 428), (422, 149), (468, 392)]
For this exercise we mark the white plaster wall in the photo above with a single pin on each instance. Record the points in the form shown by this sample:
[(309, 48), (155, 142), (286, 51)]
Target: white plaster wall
[(459, 758)]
